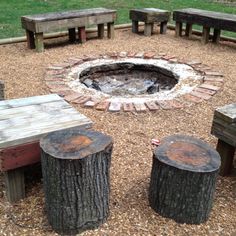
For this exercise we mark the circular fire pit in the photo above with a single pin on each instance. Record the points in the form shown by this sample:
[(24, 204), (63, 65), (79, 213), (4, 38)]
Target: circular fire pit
[(120, 82)]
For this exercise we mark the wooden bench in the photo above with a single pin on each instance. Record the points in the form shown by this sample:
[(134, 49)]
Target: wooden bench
[(224, 128), (208, 19), (22, 123), (149, 16), (37, 25)]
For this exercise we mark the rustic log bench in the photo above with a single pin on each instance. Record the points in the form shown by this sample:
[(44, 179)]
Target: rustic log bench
[(224, 128), (22, 123), (37, 25), (149, 16), (208, 19)]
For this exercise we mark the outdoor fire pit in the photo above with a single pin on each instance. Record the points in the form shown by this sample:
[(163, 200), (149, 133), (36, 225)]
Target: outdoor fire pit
[(122, 82)]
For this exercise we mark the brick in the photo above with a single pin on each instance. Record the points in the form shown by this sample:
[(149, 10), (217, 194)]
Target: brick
[(55, 72), (175, 104), (140, 107), (72, 96), (193, 63), (57, 87), (152, 106), (115, 106), (203, 90), (165, 105), (173, 60), (209, 86), (213, 73), (168, 57), (113, 54), (131, 54), (139, 55), (62, 93), (128, 107), (49, 83), (123, 54), (162, 54), (149, 55), (214, 79), (201, 95), (90, 104), (82, 99), (192, 98), (157, 56), (102, 106), (52, 78)]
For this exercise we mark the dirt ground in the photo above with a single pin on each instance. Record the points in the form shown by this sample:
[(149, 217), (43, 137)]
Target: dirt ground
[(23, 72)]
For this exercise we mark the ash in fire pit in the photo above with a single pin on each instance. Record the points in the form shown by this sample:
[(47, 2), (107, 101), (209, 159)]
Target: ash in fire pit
[(120, 79)]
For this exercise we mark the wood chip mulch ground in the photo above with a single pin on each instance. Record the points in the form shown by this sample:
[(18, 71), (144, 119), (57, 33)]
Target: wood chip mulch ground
[(23, 72)]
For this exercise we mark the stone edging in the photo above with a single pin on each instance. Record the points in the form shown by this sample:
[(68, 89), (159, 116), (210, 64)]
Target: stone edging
[(212, 82)]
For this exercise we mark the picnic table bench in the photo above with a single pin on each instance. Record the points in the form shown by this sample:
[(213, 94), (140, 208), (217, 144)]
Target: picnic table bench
[(37, 25), (224, 128), (22, 123), (208, 19)]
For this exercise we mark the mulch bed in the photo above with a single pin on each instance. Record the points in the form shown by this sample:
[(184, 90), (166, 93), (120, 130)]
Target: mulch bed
[(23, 72)]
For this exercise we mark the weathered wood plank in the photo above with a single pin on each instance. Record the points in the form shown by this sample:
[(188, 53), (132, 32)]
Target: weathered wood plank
[(227, 113)]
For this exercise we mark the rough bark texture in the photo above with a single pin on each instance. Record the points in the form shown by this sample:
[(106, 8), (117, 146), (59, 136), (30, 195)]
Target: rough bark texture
[(178, 192), (2, 90), (77, 190)]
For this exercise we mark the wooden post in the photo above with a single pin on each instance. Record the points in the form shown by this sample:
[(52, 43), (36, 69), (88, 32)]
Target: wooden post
[(2, 90), (188, 30), (72, 35), (100, 31), (110, 30), (30, 39), (39, 42), (216, 36), (205, 35), (163, 27), (148, 27), (226, 152), (183, 179), (15, 184), (135, 26), (75, 168), (82, 34), (178, 29)]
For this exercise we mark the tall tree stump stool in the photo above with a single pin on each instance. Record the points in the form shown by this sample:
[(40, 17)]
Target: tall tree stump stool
[(183, 179), (2, 87), (149, 16), (75, 168)]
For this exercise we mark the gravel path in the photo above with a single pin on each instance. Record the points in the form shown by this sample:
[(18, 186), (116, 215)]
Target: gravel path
[(23, 72)]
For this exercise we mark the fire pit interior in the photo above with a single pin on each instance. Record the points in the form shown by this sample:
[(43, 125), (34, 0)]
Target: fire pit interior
[(126, 78)]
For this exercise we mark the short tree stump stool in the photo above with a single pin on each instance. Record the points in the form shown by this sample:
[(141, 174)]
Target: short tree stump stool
[(75, 168), (183, 179), (149, 16)]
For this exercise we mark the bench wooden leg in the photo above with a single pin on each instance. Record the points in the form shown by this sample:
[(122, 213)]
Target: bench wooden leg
[(205, 35), (216, 36), (135, 26), (30, 39), (72, 35), (163, 27), (226, 152), (178, 29), (148, 28), (39, 42), (100, 31), (110, 30), (188, 30), (82, 34), (15, 184)]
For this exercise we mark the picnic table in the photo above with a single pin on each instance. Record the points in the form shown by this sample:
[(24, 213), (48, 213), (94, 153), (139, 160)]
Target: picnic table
[(22, 123), (208, 19), (37, 25)]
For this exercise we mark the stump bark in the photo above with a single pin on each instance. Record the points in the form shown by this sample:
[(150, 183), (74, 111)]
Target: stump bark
[(75, 168), (183, 179)]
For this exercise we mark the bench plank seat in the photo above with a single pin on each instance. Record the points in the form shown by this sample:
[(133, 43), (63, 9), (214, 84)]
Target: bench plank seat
[(208, 19)]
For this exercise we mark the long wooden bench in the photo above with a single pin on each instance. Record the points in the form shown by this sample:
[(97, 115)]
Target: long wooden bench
[(22, 123), (37, 25), (208, 19)]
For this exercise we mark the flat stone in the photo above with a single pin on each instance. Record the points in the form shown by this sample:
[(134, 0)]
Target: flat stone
[(123, 54), (102, 106), (73, 96), (209, 86), (115, 106), (128, 107), (204, 96), (139, 55), (204, 90), (140, 107), (152, 106)]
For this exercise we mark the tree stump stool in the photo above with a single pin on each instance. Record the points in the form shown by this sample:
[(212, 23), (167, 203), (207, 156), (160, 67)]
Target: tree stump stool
[(2, 87), (75, 168), (183, 179), (149, 16)]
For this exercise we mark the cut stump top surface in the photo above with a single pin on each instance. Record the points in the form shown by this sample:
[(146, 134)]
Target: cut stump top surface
[(187, 153), (227, 113), (74, 143)]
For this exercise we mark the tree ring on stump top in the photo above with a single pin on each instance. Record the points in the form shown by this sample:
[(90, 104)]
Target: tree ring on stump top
[(74, 143), (187, 153)]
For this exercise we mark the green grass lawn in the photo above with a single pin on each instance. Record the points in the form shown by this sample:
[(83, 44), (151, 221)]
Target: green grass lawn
[(12, 10)]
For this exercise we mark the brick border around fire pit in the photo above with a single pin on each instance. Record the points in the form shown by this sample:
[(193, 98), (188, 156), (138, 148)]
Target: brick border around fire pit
[(211, 83)]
